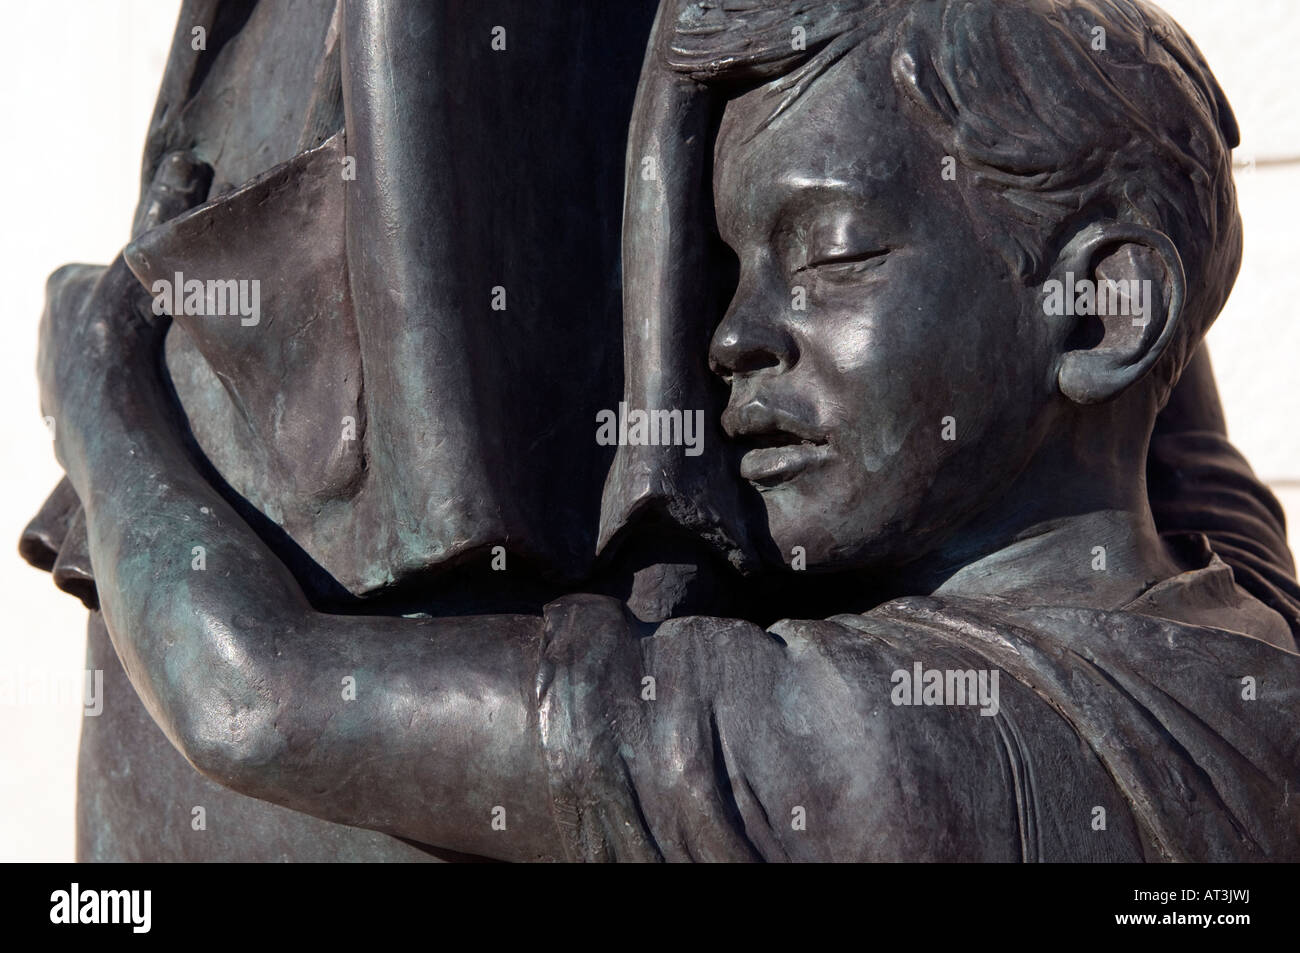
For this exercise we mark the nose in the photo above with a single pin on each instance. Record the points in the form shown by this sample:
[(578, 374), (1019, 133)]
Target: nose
[(751, 338)]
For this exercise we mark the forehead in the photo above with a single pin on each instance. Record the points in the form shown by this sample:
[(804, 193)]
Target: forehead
[(843, 129)]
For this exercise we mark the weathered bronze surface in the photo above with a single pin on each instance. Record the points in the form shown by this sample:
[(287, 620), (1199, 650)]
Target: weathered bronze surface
[(906, 527)]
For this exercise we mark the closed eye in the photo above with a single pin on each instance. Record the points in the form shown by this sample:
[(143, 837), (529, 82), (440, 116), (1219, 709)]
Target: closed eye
[(836, 259), (844, 267)]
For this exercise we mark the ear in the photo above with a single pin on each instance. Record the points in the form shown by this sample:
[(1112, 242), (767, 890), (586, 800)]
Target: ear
[(1120, 289)]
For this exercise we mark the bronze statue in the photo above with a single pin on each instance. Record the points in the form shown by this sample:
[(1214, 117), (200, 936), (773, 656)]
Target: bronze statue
[(907, 530)]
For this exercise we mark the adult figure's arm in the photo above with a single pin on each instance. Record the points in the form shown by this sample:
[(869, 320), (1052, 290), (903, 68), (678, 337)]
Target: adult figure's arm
[(1198, 482)]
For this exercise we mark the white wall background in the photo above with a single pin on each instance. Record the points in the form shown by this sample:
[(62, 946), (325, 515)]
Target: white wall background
[(80, 78)]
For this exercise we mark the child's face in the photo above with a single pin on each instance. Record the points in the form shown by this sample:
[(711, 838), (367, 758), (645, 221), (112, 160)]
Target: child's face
[(913, 330)]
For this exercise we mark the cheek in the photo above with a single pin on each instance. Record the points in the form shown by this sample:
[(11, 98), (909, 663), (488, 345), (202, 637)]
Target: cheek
[(896, 368)]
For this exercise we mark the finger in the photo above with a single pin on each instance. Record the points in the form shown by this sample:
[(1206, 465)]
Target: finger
[(41, 540), (181, 182), (72, 572)]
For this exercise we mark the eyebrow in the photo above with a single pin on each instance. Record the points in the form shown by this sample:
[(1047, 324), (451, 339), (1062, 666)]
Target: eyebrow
[(795, 191)]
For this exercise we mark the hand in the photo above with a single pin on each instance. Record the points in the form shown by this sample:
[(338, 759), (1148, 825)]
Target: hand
[(55, 540), (96, 325)]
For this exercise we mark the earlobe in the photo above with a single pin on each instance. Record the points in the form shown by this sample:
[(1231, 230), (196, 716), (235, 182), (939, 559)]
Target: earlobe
[(1122, 290)]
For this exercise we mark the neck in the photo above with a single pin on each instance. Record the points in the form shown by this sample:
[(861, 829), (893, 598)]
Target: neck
[(1075, 528)]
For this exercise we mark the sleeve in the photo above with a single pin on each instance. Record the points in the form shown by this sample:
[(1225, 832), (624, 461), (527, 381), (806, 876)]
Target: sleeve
[(713, 740)]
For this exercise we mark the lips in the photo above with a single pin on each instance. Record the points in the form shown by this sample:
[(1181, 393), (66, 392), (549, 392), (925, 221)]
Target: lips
[(769, 466), (780, 447)]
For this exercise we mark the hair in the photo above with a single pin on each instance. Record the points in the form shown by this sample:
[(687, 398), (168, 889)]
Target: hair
[(1061, 111)]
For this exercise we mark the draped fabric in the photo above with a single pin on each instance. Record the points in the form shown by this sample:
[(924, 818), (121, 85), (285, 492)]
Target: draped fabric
[(439, 280)]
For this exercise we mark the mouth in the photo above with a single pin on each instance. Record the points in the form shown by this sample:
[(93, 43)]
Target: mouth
[(777, 456)]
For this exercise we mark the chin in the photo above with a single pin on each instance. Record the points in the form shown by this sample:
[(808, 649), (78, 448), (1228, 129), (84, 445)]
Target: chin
[(835, 538), (821, 539)]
